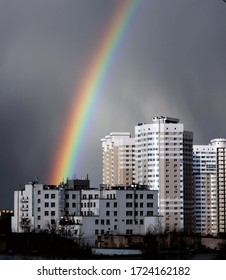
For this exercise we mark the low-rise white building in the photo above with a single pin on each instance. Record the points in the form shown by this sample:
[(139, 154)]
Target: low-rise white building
[(23, 218), (87, 213)]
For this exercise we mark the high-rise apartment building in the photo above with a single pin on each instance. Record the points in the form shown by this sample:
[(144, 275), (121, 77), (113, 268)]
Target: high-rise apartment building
[(204, 179), (118, 159), (221, 183), (209, 182), (163, 161)]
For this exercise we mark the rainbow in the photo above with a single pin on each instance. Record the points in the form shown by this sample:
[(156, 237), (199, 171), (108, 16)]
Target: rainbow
[(67, 154)]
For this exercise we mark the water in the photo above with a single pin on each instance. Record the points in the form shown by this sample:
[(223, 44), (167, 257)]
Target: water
[(33, 257), (19, 257)]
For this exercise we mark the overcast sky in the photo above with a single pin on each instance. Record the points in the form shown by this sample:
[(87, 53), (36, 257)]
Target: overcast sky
[(172, 62)]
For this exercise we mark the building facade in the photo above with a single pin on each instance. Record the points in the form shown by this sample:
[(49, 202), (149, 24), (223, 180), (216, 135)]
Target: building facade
[(204, 179), (37, 207), (160, 157), (221, 183), (118, 159), (83, 212), (163, 161), (209, 182)]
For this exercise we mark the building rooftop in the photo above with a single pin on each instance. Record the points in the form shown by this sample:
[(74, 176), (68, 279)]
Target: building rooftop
[(163, 119)]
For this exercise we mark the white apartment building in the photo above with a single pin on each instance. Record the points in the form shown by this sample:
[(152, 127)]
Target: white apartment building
[(118, 159), (209, 182), (23, 217), (37, 207), (204, 176), (119, 211), (221, 183), (163, 161), (88, 212)]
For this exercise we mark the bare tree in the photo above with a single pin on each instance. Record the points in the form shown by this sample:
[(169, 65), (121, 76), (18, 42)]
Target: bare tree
[(25, 224), (156, 228), (68, 228)]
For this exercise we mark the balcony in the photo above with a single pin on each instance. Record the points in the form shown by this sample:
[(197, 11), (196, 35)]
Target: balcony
[(23, 209), (24, 200)]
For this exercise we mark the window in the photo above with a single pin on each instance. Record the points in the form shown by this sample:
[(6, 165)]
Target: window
[(141, 205), (102, 222), (73, 204), (96, 231), (115, 204), (96, 222), (149, 204), (39, 192), (129, 231), (46, 213), (107, 204), (149, 196), (129, 204), (74, 196), (107, 213), (107, 222), (141, 222), (52, 213), (53, 195), (129, 195), (46, 204), (46, 195), (39, 209), (66, 196), (129, 222), (39, 217), (115, 213), (39, 201), (129, 213), (52, 204), (149, 213)]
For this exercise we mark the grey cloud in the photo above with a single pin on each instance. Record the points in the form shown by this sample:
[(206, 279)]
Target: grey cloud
[(172, 61)]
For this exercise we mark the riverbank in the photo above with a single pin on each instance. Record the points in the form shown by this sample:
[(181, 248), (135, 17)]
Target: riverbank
[(46, 246)]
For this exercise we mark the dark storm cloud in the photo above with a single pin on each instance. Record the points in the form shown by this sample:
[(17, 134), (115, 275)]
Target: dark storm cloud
[(172, 61), (44, 45), (178, 63)]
